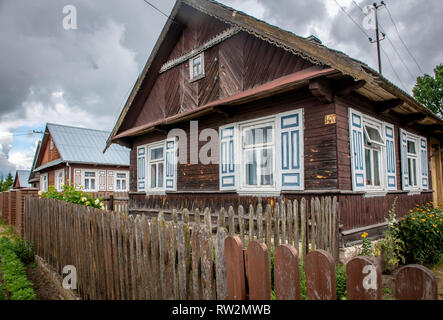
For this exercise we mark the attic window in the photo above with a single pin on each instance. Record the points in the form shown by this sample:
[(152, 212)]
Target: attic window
[(197, 67), (52, 144)]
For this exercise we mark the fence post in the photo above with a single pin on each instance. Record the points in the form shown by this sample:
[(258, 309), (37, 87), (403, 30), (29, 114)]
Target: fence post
[(320, 276), (363, 279), (235, 269), (258, 271), (415, 282), (286, 273), (111, 202)]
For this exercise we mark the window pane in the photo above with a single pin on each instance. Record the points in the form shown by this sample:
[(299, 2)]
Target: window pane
[(374, 134), (376, 168), (123, 184), (267, 177), (258, 136), (153, 176), (89, 174), (368, 163), (411, 147), (157, 154), (118, 185), (251, 167), (414, 164), (410, 172), (86, 184), (160, 175), (92, 184), (121, 175)]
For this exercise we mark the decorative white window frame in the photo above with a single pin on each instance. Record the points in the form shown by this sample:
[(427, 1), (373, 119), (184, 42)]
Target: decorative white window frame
[(149, 147), (42, 176), (251, 124), (378, 125), (414, 190), (234, 131), (191, 67), (57, 182), (96, 189), (126, 179)]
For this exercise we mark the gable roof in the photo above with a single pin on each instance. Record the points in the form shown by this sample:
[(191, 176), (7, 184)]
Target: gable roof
[(34, 176), (376, 87), (85, 146), (22, 176)]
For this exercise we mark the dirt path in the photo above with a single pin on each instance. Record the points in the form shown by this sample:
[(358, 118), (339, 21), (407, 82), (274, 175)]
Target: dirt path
[(44, 288)]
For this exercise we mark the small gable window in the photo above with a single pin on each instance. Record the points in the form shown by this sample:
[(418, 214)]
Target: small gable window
[(52, 144), (197, 67)]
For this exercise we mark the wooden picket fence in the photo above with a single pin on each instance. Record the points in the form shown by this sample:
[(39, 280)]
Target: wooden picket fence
[(114, 201), (248, 275), (139, 257)]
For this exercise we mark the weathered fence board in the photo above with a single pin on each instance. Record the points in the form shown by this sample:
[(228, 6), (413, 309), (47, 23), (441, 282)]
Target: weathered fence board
[(415, 282)]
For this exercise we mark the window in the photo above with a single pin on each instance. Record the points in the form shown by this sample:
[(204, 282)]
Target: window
[(197, 67), (373, 145), (258, 155), (59, 179), (89, 180), (412, 163), (121, 182), (52, 144), (156, 165), (44, 182), (262, 157)]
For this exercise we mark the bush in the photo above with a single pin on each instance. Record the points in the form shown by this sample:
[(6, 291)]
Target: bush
[(422, 234), (14, 274), (24, 250), (71, 194)]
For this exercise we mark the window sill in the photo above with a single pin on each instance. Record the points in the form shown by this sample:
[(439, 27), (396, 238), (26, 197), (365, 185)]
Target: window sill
[(197, 78), (373, 194), (259, 193)]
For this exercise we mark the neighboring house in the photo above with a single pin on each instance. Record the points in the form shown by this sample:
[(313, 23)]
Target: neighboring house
[(21, 179), (34, 177), (70, 155), (295, 119)]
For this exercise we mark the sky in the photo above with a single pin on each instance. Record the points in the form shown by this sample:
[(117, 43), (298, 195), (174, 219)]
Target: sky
[(83, 76)]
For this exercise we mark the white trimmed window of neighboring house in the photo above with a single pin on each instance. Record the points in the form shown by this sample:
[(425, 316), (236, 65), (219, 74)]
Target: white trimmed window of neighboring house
[(59, 179), (89, 178), (121, 181), (156, 166), (258, 155), (44, 182), (197, 67), (374, 145)]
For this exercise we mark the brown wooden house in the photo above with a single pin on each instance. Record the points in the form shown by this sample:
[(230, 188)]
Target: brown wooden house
[(294, 119), (21, 179), (74, 156)]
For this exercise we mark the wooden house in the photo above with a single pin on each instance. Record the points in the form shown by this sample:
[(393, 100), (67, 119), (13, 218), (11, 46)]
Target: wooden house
[(21, 179), (70, 155), (293, 119)]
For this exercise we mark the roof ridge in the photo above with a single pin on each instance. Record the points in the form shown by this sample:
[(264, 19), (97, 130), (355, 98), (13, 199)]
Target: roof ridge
[(80, 128)]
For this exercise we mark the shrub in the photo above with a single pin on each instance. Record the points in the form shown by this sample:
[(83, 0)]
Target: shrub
[(71, 194), (390, 248), (24, 250), (421, 232), (14, 274)]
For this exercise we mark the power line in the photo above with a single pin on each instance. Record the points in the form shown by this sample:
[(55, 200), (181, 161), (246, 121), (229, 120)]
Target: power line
[(401, 39), (352, 19), (393, 69), (157, 9)]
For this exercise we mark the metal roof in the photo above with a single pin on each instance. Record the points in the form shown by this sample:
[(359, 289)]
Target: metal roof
[(81, 145), (23, 176)]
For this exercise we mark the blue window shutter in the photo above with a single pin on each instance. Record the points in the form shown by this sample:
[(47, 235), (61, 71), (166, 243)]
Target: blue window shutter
[(228, 172), (171, 165), (424, 162), (357, 150), (290, 126), (141, 168), (391, 172), (404, 160)]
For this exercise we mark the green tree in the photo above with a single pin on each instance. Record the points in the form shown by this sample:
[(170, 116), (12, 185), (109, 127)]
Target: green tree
[(6, 184), (429, 91)]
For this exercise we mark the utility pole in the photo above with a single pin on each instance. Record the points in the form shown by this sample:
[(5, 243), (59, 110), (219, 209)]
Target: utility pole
[(377, 33)]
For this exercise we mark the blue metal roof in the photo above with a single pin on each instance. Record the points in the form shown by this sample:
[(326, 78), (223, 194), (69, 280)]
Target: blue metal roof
[(80, 145), (23, 176)]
